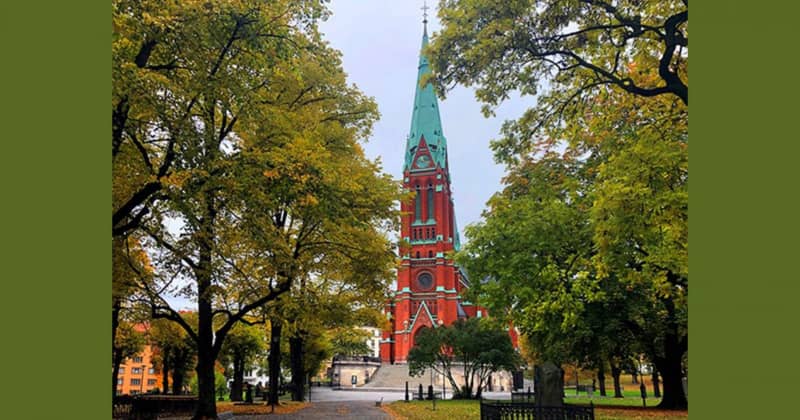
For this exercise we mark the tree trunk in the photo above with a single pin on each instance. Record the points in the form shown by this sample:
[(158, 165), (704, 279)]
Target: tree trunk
[(601, 379), (615, 373), (179, 374), (298, 371), (274, 360), (117, 360), (165, 373), (237, 386), (207, 404), (669, 366), (656, 390), (633, 378)]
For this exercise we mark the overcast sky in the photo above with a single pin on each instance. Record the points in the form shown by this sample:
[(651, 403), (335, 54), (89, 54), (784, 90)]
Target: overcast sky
[(380, 43)]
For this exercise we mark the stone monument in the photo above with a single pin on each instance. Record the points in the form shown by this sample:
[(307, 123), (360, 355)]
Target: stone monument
[(548, 385)]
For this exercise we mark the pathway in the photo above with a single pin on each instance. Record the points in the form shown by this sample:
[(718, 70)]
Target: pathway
[(365, 410)]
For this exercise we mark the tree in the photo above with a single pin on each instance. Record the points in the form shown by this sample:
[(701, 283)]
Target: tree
[(598, 264), (243, 344), (479, 346), (349, 341), (207, 78), (567, 49), (173, 351)]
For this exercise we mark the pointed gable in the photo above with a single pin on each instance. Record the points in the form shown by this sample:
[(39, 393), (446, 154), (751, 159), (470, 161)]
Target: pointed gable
[(423, 318)]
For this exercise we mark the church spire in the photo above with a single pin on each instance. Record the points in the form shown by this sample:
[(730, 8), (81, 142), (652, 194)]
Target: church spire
[(425, 120), (425, 17)]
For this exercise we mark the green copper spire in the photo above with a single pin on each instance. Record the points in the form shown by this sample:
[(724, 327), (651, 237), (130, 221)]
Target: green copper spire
[(425, 120)]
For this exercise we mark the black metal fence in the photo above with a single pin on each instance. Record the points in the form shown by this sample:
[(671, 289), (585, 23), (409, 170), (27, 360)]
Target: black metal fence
[(497, 410), (152, 406)]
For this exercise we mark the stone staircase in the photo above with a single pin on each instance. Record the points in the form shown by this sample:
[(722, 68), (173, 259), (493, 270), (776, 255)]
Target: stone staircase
[(395, 376)]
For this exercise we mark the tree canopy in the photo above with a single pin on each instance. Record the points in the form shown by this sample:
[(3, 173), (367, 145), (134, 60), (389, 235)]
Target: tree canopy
[(476, 345), (564, 52)]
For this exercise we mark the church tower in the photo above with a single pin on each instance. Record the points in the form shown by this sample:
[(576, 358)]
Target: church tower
[(429, 284)]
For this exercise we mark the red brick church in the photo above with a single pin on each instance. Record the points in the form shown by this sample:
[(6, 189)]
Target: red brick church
[(429, 285)]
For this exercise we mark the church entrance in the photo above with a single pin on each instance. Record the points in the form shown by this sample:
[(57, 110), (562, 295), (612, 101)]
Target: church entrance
[(416, 334)]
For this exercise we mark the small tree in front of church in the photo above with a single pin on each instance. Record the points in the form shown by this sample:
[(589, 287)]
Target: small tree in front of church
[(477, 345)]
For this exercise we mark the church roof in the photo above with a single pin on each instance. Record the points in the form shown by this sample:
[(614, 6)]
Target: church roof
[(425, 120)]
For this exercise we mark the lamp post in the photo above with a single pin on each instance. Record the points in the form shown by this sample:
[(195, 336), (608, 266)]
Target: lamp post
[(141, 384)]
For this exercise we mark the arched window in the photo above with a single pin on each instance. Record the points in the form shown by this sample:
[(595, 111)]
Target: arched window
[(417, 254), (430, 254), (413, 234), (418, 204), (430, 202)]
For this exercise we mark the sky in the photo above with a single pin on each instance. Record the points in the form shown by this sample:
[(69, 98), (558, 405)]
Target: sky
[(380, 43)]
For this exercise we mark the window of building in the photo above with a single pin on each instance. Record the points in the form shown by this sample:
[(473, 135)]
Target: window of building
[(151, 382), (430, 201), (136, 371), (134, 391), (151, 371), (417, 254), (425, 280), (137, 359), (430, 254), (413, 234), (418, 203), (136, 381), (119, 381), (121, 370)]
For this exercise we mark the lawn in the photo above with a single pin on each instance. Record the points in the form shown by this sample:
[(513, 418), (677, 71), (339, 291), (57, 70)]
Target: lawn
[(465, 409)]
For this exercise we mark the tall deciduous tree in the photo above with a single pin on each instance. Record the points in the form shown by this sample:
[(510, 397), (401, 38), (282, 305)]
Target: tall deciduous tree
[(268, 176), (598, 263)]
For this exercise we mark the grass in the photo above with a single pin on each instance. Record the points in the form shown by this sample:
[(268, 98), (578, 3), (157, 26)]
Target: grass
[(466, 409), (445, 410)]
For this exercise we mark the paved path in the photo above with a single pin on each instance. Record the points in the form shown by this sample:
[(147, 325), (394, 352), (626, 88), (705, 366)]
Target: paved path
[(363, 410)]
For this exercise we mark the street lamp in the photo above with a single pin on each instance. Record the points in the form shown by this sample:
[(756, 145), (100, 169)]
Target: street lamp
[(141, 384)]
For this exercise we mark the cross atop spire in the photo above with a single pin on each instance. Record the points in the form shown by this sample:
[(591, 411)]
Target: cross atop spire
[(425, 15)]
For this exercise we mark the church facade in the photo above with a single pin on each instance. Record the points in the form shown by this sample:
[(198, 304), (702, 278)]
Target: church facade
[(429, 284)]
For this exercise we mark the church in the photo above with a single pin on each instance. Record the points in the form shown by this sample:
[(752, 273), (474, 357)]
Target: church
[(429, 284)]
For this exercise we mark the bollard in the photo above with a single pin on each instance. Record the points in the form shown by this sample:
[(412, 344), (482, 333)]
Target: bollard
[(644, 393), (406, 391)]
